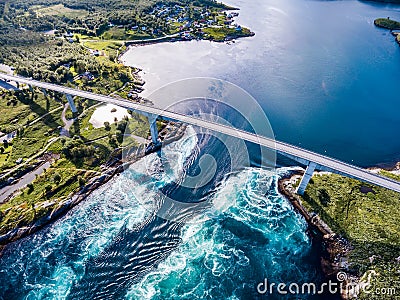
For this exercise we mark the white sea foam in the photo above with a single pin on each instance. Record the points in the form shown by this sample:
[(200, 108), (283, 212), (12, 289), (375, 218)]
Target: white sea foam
[(125, 200), (212, 253)]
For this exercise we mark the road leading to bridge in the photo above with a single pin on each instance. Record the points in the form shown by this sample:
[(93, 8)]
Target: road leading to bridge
[(302, 155)]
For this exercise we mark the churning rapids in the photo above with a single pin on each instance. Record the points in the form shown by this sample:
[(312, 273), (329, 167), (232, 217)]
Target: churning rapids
[(113, 246), (324, 75)]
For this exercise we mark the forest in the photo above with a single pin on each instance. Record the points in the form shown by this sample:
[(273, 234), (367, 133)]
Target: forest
[(33, 52), (87, 17)]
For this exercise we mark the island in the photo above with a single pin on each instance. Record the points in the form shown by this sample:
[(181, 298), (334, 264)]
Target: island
[(389, 24)]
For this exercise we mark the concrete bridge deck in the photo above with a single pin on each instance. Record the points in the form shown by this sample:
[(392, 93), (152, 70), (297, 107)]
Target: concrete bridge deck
[(308, 158)]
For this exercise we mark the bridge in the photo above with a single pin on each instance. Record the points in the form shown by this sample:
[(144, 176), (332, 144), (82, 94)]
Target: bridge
[(310, 159)]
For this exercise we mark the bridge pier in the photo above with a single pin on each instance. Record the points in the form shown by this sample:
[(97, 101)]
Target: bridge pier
[(44, 92), (153, 128), (30, 88), (306, 178), (71, 103), (302, 156)]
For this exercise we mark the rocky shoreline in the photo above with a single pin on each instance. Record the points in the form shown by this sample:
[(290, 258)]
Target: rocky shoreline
[(171, 133), (335, 248), (389, 25), (397, 36)]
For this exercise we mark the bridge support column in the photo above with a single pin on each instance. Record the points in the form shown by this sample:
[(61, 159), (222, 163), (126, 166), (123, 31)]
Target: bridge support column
[(153, 128), (44, 92), (306, 178), (17, 84), (30, 88), (71, 103)]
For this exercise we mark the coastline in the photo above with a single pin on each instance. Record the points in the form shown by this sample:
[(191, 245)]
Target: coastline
[(391, 25), (397, 36), (111, 170), (336, 249), (169, 135)]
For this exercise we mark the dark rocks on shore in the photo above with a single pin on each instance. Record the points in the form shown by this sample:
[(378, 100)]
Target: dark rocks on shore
[(113, 167), (335, 248)]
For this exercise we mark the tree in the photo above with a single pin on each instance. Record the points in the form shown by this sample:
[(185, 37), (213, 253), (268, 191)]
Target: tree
[(113, 142), (119, 135), (323, 196), (57, 178), (81, 181), (2, 150), (5, 144), (30, 188), (48, 188), (122, 125), (107, 126)]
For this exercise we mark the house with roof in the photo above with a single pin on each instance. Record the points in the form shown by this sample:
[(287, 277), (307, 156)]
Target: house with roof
[(87, 75)]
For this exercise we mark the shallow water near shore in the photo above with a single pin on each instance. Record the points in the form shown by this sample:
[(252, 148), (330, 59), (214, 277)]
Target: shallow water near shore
[(325, 77)]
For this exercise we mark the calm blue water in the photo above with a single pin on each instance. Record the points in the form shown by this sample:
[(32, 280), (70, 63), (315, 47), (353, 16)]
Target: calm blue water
[(323, 74)]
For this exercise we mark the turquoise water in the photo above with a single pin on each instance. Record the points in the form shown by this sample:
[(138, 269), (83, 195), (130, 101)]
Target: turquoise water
[(325, 77), (257, 236), (112, 246)]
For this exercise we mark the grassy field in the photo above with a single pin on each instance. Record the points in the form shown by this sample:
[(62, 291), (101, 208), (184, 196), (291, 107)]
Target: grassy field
[(116, 33), (365, 215), (137, 125), (33, 139), (103, 45), (110, 48), (18, 109), (220, 33), (85, 37), (5, 155), (46, 192), (59, 10)]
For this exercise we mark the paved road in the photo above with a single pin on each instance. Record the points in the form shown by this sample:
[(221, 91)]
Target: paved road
[(8, 190), (161, 38), (67, 123), (49, 143), (308, 156), (7, 86)]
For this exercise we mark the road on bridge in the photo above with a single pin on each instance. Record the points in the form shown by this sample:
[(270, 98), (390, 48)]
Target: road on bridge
[(323, 162)]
